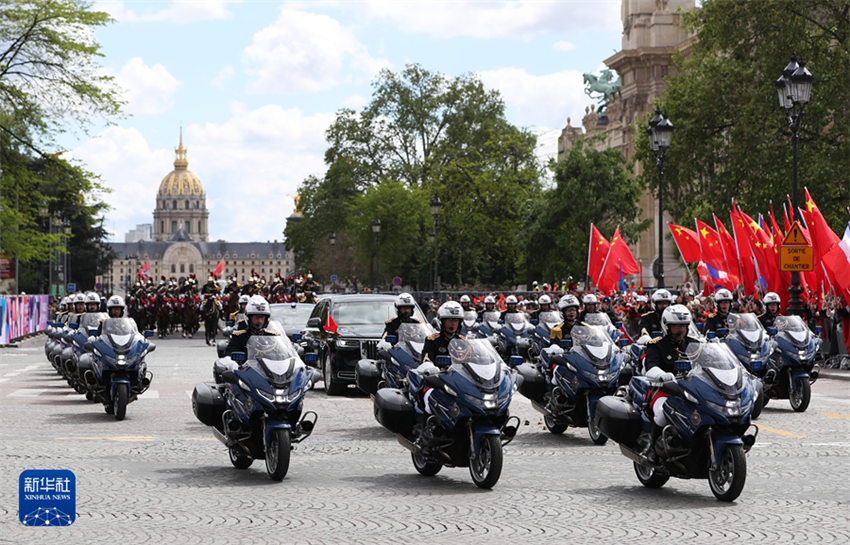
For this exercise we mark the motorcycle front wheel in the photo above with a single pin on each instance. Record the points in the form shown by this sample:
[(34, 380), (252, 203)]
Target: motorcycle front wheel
[(424, 466), (121, 395), (727, 480), (596, 436), (485, 466), (277, 454), (554, 426), (801, 395), (650, 477)]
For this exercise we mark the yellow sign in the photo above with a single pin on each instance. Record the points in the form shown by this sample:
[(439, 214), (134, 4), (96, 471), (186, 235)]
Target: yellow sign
[(796, 236), (796, 258)]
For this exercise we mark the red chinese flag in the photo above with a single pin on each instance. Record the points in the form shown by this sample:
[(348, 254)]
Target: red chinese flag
[(710, 246), (619, 259), (330, 324), (821, 235), (597, 251), (745, 252), (687, 242), (727, 243), (763, 251)]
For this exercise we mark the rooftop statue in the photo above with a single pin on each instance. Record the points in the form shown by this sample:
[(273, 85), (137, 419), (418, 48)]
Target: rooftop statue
[(602, 88)]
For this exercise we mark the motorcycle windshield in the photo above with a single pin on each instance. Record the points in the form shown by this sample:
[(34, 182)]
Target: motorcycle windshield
[(411, 338), (119, 331), (746, 328), (794, 328), (599, 318), (491, 318), (716, 364), (469, 318), (516, 321), (90, 320), (549, 319), (275, 354), (594, 342), (478, 360)]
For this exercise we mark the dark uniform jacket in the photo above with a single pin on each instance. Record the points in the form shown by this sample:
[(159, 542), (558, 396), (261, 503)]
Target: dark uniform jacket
[(437, 345), (506, 312), (562, 331), (715, 322), (649, 323), (391, 326), (662, 352), (767, 319), (239, 339)]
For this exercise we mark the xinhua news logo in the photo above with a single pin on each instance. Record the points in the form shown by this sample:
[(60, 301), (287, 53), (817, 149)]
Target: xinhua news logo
[(47, 497)]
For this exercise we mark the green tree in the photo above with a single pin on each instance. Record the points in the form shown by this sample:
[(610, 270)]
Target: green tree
[(590, 186), (731, 139), (424, 134)]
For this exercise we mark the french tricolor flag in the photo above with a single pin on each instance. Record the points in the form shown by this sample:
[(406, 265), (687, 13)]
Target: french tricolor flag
[(837, 260)]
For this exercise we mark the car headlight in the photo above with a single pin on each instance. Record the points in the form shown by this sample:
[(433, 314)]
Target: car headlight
[(347, 343)]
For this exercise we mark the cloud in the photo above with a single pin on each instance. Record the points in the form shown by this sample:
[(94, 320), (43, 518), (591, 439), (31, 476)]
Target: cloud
[(502, 19), (304, 52), (223, 76), (179, 11), (147, 89), (563, 45)]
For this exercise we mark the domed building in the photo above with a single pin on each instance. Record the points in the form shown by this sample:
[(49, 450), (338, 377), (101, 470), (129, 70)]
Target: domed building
[(181, 247)]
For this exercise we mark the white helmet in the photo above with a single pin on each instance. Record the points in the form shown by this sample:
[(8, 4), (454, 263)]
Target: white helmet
[(404, 300), (465, 299), (92, 297), (772, 297), (489, 300), (244, 299), (589, 299), (257, 304), (675, 315), (450, 309), (568, 301), (723, 295), (80, 298), (115, 301), (545, 300), (660, 296), (510, 299)]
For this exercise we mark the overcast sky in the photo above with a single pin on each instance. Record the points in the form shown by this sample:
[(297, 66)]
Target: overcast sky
[(255, 84)]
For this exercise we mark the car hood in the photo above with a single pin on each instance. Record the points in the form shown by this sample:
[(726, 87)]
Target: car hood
[(361, 331)]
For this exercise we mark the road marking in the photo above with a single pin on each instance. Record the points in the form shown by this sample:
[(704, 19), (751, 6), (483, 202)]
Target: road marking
[(201, 439), (118, 438), (782, 432), (836, 415)]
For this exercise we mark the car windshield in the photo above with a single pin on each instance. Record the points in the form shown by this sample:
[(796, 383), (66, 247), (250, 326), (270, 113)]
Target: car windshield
[(716, 364), (119, 331), (594, 340), (478, 358), (275, 352), (367, 313), (747, 327), (550, 319), (291, 315)]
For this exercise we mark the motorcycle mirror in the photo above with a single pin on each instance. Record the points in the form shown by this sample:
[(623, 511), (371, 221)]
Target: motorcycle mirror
[(624, 342), (772, 330), (221, 348), (315, 323), (682, 366), (229, 375), (148, 333), (295, 337), (92, 331), (73, 325), (513, 361), (229, 323), (535, 321), (151, 348), (309, 357), (700, 326), (88, 346), (656, 334), (392, 339), (722, 331), (711, 335), (443, 361), (238, 357), (566, 344), (819, 329), (618, 324)]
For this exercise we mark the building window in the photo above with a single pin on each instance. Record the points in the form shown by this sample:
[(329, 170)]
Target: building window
[(188, 228), (173, 226), (197, 204), (199, 227), (174, 204), (182, 267), (161, 226), (187, 204), (191, 267), (173, 268)]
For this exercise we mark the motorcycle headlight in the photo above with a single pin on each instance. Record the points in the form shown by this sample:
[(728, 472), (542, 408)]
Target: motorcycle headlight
[(122, 360), (97, 353), (450, 390), (243, 385)]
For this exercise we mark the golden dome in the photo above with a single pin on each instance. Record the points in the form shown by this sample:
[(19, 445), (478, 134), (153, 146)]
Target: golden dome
[(180, 181)]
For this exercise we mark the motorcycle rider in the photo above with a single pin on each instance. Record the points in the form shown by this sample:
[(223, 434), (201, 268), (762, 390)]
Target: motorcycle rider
[(771, 309), (257, 311), (115, 306), (510, 306), (723, 300), (590, 304), (650, 322), (404, 304), (466, 303), (489, 306), (568, 305), (450, 314), (92, 302), (545, 305), (239, 317), (659, 361)]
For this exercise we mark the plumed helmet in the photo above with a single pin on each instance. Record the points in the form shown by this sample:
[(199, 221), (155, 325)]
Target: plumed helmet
[(465, 299), (450, 309), (257, 304), (489, 300), (404, 300), (511, 299), (568, 301), (772, 297), (675, 315), (660, 296), (589, 299), (545, 300), (723, 295)]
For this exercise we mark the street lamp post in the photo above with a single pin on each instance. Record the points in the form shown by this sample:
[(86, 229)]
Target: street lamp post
[(332, 242), (436, 206), (794, 88), (660, 136), (376, 228)]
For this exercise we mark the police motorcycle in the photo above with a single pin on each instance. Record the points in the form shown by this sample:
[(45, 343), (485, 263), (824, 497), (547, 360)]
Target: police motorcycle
[(709, 406), (468, 323), (750, 343), (539, 337), (469, 393), (586, 371), (54, 328), (791, 369), (76, 338), (256, 411), (512, 338), (114, 370), (397, 355)]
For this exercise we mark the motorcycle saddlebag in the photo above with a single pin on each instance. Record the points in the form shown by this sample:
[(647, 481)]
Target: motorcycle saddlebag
[(367, 375), (533, 383), (394, 411), (618, 420), (208, 403)]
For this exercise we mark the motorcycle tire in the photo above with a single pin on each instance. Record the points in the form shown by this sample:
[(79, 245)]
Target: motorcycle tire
[(554, 426), (801, 395), (650, 477), (277, 454), (727, 481), (425, 467), (485, 466), (596, 436), (239, 460), (121, 395), (757, 407)]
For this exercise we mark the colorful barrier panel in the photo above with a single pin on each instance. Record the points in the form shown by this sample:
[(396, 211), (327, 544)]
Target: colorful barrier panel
[(22, 315)]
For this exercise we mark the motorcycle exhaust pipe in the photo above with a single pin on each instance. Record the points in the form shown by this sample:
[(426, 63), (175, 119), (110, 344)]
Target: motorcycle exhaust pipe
[(770, 376), (89, 377)]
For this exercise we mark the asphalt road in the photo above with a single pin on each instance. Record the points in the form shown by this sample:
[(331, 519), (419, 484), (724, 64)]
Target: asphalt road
[(159, 476)]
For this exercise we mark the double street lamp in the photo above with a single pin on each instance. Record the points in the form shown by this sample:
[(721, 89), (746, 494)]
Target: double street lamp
[(436, 206), (660, 133), (794, 88), (376, 228), (332, 242)]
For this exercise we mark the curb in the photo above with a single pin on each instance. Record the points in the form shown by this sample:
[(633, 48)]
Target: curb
[(834, 374)]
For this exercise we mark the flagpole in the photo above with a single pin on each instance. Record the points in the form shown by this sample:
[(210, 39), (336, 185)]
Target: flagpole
[(589, 249)]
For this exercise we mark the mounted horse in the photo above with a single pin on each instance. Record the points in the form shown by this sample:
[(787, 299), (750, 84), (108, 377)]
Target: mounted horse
[(191, 321), (163, 316), (211, 311)]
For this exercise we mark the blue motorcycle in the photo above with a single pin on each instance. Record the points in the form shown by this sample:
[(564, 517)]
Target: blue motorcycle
[(512, 338), (791, 369), (588, 370), (708, 408), (75, 348), (468, 393), (256, 411), (540, 336), (750, 343), (116, 372), (468, 323), (400, 354)]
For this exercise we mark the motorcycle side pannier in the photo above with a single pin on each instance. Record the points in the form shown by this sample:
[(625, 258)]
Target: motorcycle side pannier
[(394, 410), (208, 404), (367, 375), (618, 420), (533, 384)]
